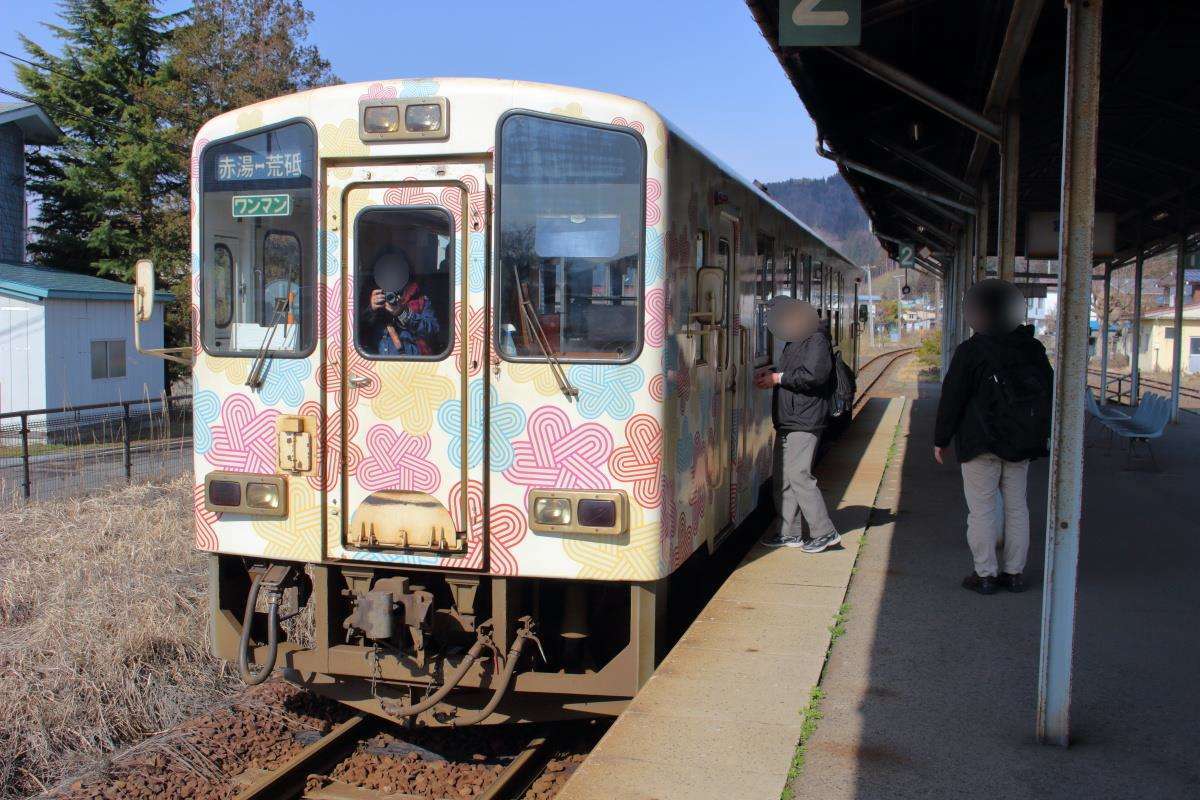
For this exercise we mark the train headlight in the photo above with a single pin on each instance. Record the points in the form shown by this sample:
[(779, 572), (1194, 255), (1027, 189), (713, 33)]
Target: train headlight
[(246, 493), (603, 513), (423, 117), (262, 495), (552, 511), (381, 119)]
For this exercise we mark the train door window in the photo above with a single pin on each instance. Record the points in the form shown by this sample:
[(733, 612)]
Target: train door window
[(256, 194), (763, 294), (571, 211), (404, 274), (701, 251), (221, 285)]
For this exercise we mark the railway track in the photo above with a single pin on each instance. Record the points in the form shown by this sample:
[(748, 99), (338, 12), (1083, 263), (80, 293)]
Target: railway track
[(876, 368), (364, 758)]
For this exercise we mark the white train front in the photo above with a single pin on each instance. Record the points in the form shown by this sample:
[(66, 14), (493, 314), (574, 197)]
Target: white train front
[(472, 378)]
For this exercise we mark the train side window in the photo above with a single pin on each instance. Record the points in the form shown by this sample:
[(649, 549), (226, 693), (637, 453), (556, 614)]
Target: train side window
[(763, 294), (404, 274), (792, 279), (571, 210)]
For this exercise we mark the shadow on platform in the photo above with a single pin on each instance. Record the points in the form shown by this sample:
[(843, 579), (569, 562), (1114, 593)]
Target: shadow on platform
[(931, 692)]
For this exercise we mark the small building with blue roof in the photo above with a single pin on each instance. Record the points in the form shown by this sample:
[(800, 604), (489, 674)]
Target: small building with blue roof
[(66, 340)]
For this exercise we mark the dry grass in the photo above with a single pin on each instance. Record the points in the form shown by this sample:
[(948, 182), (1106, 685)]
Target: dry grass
[(103, 630)]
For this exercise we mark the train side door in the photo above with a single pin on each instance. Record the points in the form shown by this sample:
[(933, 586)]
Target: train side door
[(413, 353), (729, 387)]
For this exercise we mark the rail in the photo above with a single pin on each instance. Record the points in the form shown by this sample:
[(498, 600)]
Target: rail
[(306, 775), (64, 450), (887, 361)]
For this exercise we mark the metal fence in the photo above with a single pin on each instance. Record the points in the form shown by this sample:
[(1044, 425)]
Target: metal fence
[(53, 452)]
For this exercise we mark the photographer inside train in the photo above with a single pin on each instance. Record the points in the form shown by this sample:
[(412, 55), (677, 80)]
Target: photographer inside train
[(405, 283)]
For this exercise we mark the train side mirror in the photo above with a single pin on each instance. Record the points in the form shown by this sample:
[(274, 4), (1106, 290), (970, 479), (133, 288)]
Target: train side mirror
[(143, 293), (710, 296), (863, 313)]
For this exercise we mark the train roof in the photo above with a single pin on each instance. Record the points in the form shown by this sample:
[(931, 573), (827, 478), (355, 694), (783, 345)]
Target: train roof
[(513, 87)]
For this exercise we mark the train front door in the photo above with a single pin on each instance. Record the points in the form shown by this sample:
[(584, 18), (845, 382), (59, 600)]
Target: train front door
[(412, 353)]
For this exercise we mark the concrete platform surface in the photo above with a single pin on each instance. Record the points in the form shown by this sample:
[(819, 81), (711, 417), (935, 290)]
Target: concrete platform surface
[(722, 714), (931, 691)]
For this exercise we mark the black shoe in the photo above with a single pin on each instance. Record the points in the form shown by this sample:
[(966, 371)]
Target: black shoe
[(984, 584), (822, 543), (1011, 581)]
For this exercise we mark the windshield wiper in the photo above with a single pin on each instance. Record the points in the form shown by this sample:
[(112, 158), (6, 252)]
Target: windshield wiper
[(279, 316), (539, 335)]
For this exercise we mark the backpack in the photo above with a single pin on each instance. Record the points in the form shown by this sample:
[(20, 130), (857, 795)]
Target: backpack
[(842, 401), (1014, 402)]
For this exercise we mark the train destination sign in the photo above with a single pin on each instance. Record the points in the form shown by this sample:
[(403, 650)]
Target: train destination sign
[(260, 166), (262, 205), (820, 23)]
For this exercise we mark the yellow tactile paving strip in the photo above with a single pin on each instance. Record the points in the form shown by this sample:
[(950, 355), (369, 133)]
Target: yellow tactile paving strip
[(722, 714)]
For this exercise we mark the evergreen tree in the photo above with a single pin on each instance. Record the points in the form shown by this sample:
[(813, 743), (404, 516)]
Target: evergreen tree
[(111, 190)]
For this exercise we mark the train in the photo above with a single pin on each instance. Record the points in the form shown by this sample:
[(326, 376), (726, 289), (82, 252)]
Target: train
[(472, 380)]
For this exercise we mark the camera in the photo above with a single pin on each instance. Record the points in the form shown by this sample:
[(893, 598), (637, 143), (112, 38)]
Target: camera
[(391, 298)]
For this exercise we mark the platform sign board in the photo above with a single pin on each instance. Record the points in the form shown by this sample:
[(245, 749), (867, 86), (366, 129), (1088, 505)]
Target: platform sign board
[(820, 23), (906, 255), (1042, 234)]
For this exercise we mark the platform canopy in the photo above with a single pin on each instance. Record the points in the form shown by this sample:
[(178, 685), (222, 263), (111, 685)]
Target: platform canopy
[(924, 101)]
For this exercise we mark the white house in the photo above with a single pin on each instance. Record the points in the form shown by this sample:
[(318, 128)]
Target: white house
[(66, 339)]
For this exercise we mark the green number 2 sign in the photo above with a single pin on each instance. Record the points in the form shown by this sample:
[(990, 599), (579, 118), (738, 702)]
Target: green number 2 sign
[(816, 23), (906, 256)]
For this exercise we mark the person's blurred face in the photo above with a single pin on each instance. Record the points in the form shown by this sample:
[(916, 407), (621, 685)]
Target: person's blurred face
[(795, 321)]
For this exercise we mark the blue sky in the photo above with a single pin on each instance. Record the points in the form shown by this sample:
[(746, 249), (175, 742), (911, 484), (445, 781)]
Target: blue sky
[(702, 63)]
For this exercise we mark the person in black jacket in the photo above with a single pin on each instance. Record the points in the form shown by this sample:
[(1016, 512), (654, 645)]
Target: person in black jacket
[(995, 407), (802, 387)]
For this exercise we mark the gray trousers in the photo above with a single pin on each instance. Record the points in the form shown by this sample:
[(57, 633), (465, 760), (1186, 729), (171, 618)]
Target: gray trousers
[(996, 505), (796, 494)]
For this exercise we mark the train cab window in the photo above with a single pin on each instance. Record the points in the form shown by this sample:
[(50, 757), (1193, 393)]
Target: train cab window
[(257, 265), (571, 207), (404, 279)]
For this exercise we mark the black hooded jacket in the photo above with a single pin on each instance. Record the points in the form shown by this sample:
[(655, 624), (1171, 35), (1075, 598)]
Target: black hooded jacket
[(806, 383), (959, 418)]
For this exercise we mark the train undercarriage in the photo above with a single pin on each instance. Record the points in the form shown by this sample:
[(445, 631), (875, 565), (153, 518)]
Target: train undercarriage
[(440, 648)]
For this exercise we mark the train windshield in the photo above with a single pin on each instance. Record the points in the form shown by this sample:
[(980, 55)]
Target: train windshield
[(571, 222), (257, 264)]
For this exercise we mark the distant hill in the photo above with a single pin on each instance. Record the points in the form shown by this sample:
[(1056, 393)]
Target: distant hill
[(828, 205)]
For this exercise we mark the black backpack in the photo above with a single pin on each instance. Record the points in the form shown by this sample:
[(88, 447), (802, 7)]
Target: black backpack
[(1014, 402), (842, 401)]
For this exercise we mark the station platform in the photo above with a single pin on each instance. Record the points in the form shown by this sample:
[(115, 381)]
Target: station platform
[(930, 692), (722, 714)]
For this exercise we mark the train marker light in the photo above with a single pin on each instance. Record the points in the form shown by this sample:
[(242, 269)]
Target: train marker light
[(246, 493), (597, 513), (601, 513), (225, 493)]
